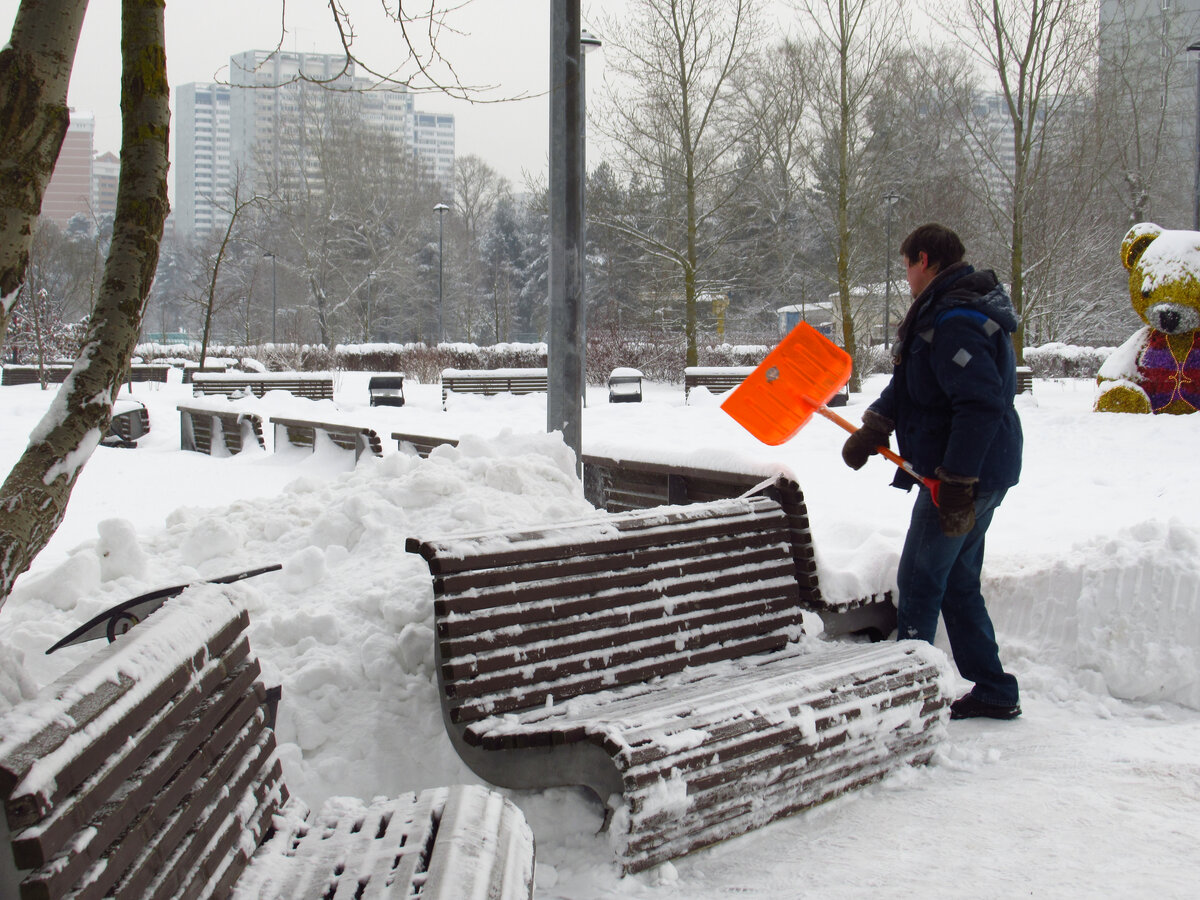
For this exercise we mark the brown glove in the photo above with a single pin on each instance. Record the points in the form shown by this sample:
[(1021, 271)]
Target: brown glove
[(956, 502), (863, 444)]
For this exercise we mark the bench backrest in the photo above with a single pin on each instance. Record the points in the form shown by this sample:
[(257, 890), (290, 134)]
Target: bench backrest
[(493, 381), (236, 428), (541, 616), (314, 388), (152, 763), (303, 433)]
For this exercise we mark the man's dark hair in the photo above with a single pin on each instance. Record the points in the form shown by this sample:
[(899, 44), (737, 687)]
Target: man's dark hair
[(940, 245)]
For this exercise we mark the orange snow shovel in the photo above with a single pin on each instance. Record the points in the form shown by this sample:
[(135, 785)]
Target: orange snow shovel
[(796, 380)]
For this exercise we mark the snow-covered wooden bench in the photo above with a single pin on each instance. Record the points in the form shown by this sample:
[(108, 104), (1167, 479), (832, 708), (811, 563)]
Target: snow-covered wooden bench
[(617, 485), (493, 381), (305, 433), (219, 430), (657, 657), (721, 379), (150, 771), (422, 443), (717, 379), (313, 385)]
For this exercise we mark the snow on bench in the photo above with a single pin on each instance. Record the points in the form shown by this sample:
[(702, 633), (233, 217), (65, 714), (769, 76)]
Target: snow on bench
[(493, 381), (658, 656), (150, 771)]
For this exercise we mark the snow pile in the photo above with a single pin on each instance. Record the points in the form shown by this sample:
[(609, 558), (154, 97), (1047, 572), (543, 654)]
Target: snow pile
[(347, 625)]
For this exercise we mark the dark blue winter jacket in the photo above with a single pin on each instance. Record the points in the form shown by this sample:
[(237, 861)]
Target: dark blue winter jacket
[(952, 388)]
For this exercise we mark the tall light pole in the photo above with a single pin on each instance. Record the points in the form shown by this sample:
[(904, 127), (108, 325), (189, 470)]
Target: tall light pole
[(274, 296), (587, 43), (1196, 182), (564, 407), (890, 198), (367, 330), (440, 209)]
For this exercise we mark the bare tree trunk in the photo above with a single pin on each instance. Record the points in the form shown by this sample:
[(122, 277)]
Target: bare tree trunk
[(34, 497), (35, 69)]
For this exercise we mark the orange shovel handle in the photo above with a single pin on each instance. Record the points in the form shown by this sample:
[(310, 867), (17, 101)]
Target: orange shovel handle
[(887, 453)]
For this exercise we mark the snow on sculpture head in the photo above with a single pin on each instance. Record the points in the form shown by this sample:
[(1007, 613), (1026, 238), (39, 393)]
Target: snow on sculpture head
[(1164, 277), (1158, 368)]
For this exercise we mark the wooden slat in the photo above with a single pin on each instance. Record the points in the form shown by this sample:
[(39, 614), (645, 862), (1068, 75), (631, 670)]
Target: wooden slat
[(151, 756), (674, 645), (606, 679), (711, 549), (477, 651), (24, 807), (615, 533), (484, 849), (157, 830)]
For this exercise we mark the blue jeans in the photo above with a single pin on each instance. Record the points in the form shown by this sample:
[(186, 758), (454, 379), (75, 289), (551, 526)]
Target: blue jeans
[(940, 574)]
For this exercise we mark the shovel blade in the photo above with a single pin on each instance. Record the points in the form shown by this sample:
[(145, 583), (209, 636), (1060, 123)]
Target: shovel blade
[(796, 379)]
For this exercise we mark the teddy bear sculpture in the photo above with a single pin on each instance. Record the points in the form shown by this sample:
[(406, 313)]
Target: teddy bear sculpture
[(1158, 368)]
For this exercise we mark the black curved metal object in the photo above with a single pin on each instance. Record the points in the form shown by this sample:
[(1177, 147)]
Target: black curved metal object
[(117, 620)]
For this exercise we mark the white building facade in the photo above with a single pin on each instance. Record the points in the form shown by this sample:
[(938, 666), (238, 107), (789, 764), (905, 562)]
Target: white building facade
[(261, 129)]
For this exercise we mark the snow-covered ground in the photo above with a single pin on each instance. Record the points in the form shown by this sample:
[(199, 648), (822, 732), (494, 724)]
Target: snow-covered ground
[(1093, 578)]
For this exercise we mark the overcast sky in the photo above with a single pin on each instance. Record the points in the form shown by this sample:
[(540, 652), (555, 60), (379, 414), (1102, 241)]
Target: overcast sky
[(504, 43)]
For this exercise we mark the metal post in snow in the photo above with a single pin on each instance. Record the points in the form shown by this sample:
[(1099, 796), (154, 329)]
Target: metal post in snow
[(564, 406)]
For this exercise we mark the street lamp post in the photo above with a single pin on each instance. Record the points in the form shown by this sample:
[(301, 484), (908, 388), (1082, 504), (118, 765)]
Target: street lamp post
[(440, 209), (1196, 181), (274, 296), (891, 198), (367, 329)]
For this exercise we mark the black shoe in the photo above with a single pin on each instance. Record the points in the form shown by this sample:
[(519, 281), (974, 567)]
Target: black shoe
[(969, 707)]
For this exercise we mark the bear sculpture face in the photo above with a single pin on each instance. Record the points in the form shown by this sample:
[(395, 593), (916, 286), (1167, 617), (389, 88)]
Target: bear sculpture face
[(1158, 369), (1164, 277)]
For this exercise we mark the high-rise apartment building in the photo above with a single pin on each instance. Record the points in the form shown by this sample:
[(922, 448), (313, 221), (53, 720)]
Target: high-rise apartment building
[(1145, 64), (69, 192), (106, 174), (202, 156), (433, 141), (263, 128)]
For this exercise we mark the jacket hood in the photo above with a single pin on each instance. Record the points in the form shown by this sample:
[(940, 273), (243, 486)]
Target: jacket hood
[(979, 290)]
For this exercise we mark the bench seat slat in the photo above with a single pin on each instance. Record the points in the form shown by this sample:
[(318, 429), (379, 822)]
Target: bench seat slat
[(568, 688), (796, 790)]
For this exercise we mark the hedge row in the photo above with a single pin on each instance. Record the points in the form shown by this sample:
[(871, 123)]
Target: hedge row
[(658, 359)]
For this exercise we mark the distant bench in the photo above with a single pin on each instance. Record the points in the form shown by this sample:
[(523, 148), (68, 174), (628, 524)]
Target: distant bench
[(717, 379), (150, 770), (721, 379), (228, 431), (56, 374), (1024, 380), (492, 381), (422, 443), (304, 432), (314, 386), (654, 655)]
